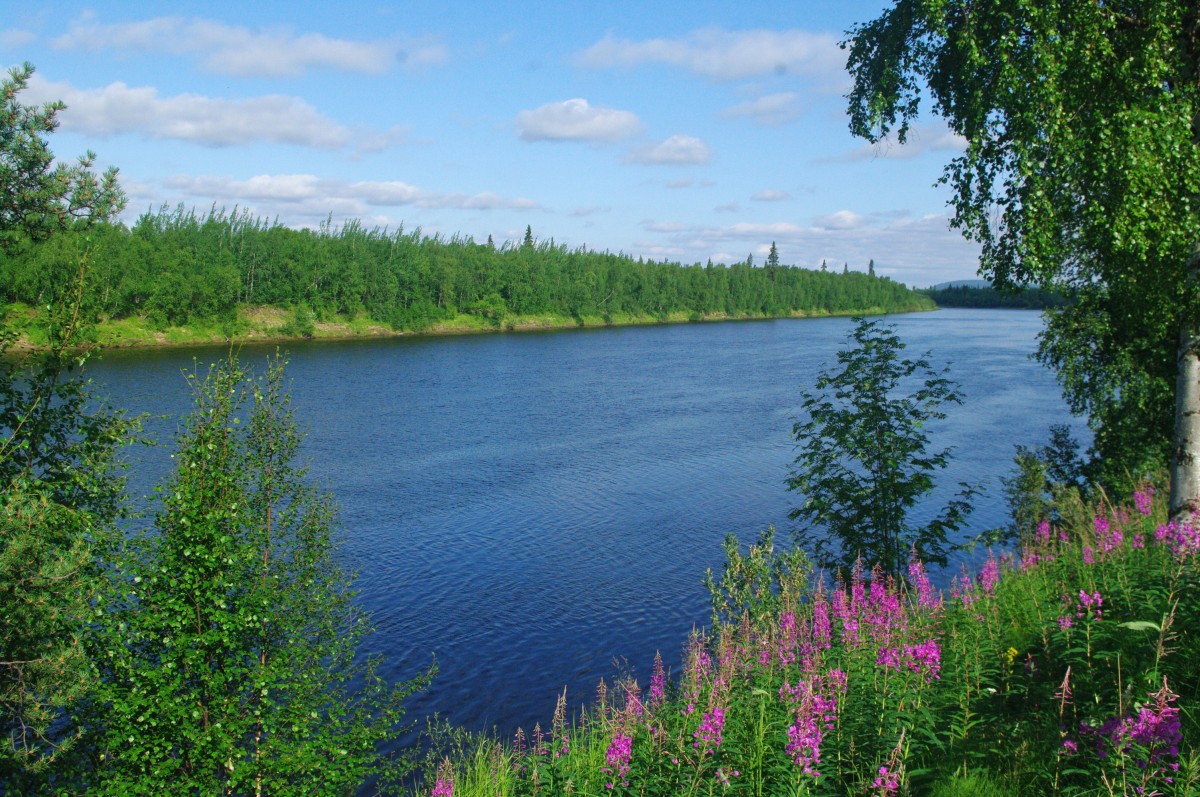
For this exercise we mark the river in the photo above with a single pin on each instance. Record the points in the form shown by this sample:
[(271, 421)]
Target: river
[(538, 509)]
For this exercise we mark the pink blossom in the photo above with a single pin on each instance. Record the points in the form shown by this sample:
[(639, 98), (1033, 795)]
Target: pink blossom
[(620, 750), (990, 575), (1143, 501)]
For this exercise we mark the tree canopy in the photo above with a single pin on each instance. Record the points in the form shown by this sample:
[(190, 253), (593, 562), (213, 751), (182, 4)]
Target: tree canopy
[(37, 196), (1081, 172)]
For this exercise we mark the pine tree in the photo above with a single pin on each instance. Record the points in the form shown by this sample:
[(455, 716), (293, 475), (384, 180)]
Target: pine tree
[(773, 257), (228, 644), (60, 491), (871, 268), (528, 242)]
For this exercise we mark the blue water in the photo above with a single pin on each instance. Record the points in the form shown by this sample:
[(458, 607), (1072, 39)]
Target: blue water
[(539, 508)]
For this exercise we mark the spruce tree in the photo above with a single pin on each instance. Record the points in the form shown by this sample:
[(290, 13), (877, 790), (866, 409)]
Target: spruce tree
[(228, 644)]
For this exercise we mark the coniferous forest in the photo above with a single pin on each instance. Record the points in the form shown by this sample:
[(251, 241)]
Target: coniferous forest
[(179, 267)]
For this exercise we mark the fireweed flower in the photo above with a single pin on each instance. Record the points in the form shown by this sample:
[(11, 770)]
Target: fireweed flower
[(1151, 736), (708, 736), (1108, 536), (887, 783), (1043, 532), (815, 713), (658, 682), (822, 635), (1143, 500), (444, 785), (620, 750), (1090, 605), (990, 575), (1065, 622), (918, 579), (788, 637)]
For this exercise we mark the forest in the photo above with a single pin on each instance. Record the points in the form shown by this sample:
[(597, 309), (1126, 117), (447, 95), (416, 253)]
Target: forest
[(175, 267)]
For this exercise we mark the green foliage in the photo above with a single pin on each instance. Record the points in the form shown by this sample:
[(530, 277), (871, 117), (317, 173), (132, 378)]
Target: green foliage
[(1024, 298), (757, 585), (60, 490), (38, 198), (1072, 671), (1044, 481), (1081, 173), (227, 642), (864, 461), (177, 267)]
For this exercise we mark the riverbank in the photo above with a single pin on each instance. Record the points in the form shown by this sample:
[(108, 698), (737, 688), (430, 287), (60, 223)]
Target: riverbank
[(267, 324)]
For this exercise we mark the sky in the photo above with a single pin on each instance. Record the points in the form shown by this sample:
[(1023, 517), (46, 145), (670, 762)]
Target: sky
[(669, 131)]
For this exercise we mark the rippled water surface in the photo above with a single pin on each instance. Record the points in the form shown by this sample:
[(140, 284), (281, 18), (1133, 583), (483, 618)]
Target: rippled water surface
[(533, 507)]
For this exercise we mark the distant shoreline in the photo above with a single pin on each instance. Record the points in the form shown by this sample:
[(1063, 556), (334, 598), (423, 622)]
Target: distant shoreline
[(266, 325)]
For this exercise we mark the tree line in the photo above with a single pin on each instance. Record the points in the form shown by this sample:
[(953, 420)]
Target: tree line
[(173, 266), (1032, 298)]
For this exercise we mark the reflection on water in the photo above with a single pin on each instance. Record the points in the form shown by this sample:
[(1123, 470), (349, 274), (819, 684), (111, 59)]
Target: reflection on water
[(539, 509)]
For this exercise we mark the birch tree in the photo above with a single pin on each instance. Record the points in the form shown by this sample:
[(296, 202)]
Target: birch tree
[(1081, 172)]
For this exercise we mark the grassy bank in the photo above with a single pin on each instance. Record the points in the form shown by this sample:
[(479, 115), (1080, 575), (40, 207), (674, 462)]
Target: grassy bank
[(275, 324), (1071, 668)]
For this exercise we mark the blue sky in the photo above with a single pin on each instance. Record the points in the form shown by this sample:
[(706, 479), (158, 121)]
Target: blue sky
[(662, 130)]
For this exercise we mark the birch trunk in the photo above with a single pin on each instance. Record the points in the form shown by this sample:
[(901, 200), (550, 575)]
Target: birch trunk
[(1185, 449)]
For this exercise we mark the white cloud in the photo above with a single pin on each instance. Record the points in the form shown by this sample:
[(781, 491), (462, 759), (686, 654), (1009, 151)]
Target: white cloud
[(118, 109), (918, 251), (921, 138), (840, 220), (243, 52), (725, 55), (13, 38), (679, 149), (308, 197), (576, 120), (682, 182), (770, 109), (728, 207), (771, 195)]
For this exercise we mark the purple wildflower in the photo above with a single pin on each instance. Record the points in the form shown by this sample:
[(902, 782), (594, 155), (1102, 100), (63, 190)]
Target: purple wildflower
[(990, 575), (1065, 622), (620, 750), (821, 633), (919, 579), (1043, 532), (658, 682), (1143, 501), (708, 735), (887, 783), (1090, 605), (444, 785)]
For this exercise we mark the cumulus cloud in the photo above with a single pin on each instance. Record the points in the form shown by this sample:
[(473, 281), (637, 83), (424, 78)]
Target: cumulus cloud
[(724, 55), (242, 52), (918, 251), (677, 150), (274, 119), (840, 220), (771, 195), (309, 196), (770, 109), (576, 120), (922, 138)]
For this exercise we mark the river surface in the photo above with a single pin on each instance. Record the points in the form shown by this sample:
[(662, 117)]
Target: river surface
[(538, 509)]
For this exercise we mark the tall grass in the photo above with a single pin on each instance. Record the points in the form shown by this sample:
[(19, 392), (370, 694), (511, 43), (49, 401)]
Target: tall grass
[(1068, 667)]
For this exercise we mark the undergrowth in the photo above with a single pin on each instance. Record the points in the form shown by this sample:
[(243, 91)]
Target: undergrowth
[(1067, 667)]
